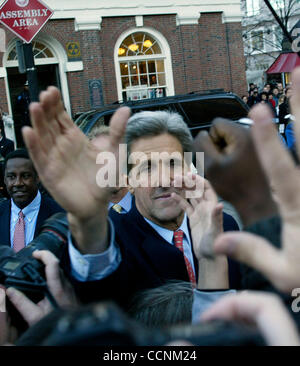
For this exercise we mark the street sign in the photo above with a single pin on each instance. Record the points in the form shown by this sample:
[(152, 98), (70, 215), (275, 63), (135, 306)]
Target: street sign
[(25, 18)]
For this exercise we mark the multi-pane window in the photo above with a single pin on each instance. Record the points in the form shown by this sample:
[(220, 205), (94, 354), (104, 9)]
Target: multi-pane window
[(142, 67), (39, 51)]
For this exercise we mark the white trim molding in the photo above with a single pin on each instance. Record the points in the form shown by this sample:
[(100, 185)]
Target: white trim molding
[(139, 20), (3, 72), (166, 56), (185, 18), (88, 21), (60, 58), (88, 14)]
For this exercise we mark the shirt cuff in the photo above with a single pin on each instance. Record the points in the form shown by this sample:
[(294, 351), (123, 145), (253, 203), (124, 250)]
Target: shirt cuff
[(202, 300), (93, 267)]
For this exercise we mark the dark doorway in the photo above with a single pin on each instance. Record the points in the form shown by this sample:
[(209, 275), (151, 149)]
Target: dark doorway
[(47, 75)]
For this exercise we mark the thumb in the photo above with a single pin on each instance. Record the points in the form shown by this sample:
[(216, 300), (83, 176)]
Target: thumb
[(251, 250)]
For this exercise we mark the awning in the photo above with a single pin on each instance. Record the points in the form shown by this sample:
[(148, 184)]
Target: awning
[(285, 62)]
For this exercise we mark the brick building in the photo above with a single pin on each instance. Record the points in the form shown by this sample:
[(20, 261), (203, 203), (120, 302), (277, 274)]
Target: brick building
[(99, 52)]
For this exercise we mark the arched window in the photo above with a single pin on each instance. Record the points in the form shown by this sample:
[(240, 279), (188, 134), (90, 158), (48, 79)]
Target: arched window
[(41, 52), (142, 67)]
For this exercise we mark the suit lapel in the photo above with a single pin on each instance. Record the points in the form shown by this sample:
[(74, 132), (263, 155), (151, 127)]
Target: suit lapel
[(164, 257), (5, 223), (42, 216)]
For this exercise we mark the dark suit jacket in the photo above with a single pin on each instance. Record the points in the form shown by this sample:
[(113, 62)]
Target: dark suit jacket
[(148, 260), (6, 146), (48, 208)]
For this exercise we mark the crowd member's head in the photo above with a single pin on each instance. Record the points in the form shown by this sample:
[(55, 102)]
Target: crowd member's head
[(20, 178), (97, 133), (264, 96), (280, 88), (275, 91), (164, 306), (245, 98), (157, 132), (267, 87)]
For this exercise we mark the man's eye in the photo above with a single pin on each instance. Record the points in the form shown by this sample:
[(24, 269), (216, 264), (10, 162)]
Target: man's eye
[(10, 176), (26, 176)]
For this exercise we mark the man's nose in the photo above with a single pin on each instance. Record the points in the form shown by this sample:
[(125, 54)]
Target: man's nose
[(18, 181), (165, 175)]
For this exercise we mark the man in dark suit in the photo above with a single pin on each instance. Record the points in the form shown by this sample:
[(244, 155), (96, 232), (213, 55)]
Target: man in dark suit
[(116, 256), (6, 145), (22, 216)]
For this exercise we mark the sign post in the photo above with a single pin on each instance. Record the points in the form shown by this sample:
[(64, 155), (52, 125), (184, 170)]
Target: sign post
[(26, 18)]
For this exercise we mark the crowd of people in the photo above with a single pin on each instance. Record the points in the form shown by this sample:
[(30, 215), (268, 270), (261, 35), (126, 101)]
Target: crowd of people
[(274, 95), (147, 263)]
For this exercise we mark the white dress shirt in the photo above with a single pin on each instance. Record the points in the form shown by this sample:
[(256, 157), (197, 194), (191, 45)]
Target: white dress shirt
[(125, 203), (92, 267), (31, 213), (168, 236)]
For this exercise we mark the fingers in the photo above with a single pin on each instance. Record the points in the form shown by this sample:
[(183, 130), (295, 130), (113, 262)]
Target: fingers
[(51, 269), (183, 204), (203, 142), (41, 125), (254, 251), (117, 126), (191, 182), (51, 97), (30, 311), (35, 148), (276, 161), (224, 132), (57, 284), (217, 217), (265, 311)]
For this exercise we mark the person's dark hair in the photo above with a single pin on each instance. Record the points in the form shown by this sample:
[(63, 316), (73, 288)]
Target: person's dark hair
[(164, 306), (264, 93), (19, 153)]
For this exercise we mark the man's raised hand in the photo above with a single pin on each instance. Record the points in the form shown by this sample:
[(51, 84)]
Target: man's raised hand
[(281, 267), (66, 163)]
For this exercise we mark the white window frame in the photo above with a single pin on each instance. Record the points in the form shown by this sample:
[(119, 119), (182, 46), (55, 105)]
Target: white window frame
[(165, 55), (60, 58)]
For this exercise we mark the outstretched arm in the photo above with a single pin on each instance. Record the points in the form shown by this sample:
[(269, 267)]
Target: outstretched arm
[(66, 163)]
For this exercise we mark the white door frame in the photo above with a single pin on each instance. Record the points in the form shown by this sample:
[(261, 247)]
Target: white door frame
[(60, 59)]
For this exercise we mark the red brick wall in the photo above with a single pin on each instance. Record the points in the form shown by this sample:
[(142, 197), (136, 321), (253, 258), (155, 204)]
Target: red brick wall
[(236, 58), (207, 55)]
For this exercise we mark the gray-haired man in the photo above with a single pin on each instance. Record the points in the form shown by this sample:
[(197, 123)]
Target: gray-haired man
[(115, 257)]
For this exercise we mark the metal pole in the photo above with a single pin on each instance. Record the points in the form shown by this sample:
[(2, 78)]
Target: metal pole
[(31, 72), (282, 26)]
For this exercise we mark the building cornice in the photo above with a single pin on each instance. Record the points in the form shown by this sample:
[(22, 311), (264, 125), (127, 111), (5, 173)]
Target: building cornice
[(88, 14)]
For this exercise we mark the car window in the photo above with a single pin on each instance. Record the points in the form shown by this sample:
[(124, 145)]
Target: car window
[(204, 111)]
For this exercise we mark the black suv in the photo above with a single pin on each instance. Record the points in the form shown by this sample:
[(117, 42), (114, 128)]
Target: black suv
[(197, 109)]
